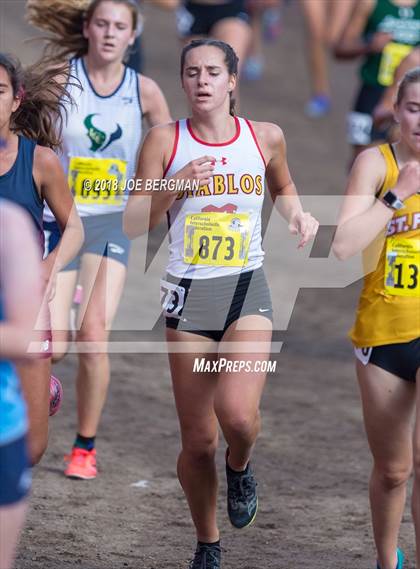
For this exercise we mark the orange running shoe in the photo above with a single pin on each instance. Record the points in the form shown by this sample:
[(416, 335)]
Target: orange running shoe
[(81, 464)]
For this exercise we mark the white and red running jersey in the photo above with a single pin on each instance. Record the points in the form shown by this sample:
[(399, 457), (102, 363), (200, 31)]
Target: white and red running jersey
[(215, 230)]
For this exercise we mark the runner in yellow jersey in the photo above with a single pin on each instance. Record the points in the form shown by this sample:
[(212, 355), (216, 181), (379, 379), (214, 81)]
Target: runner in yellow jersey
[(381, 217)]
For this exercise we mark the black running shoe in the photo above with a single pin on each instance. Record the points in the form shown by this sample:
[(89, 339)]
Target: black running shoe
[(242, 498), (206, 557)]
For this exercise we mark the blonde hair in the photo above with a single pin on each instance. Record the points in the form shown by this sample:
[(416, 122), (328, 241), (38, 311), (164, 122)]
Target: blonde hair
[(63, 21), (412, 76)]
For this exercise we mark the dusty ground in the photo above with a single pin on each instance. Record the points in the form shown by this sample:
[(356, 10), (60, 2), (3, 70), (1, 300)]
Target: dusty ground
[(311, 460)]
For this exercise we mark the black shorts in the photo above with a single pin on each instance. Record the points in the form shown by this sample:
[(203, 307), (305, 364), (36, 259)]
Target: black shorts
[(207, 307), (360, 129), (198, 19), (15, 473), (401, 359)]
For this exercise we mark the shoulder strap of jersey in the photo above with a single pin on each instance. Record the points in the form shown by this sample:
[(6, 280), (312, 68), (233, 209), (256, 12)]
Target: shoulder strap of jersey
[(392, 170)]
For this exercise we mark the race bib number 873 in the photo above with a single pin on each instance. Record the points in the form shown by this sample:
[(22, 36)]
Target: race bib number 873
[(217, 239)]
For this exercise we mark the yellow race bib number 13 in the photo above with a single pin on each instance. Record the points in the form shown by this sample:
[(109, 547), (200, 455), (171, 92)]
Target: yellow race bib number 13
[(402, 266), (97, 180), (217, 239)]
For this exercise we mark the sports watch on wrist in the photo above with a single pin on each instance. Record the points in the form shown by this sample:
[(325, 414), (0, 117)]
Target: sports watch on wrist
[(392, 201)]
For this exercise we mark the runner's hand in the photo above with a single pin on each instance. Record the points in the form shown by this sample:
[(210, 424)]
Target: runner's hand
[(49, 278), (198, 170), (302, 223), (408, 182), (378, 41), (258, 6), (383, 115)]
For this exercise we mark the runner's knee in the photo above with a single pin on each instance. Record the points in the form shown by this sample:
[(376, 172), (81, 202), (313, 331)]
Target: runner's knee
[(94, 333), (392, 476), (199, 446), (241, 426), (416, 462), (37, 449), (60, 346)]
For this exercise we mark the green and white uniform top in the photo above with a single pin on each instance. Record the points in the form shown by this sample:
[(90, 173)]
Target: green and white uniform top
[(101, 140), (403, 22)]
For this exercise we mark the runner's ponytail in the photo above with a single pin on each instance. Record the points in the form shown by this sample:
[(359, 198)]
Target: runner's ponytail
[(42, 100), (63, 22)]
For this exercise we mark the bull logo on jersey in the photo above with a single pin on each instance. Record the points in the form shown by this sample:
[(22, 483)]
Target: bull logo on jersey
[(99, 138)]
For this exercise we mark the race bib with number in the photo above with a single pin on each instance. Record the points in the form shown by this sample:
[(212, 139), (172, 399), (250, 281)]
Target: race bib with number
[(97, 180), (172, 298), (217, 239), (402, 266), (392, 55)]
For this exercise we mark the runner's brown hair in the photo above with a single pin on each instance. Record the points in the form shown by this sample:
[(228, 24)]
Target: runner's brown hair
[(43, 97)]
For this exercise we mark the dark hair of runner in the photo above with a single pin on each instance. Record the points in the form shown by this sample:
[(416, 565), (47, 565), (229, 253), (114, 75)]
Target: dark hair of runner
[(412, 76), (42, 101), (63, 20), (231, 60)]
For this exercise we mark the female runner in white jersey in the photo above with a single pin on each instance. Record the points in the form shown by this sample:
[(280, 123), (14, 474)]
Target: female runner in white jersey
[(215, 290), (100, 145)]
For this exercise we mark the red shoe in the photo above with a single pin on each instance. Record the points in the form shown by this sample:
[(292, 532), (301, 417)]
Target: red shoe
[(81, 464), (56, 395)]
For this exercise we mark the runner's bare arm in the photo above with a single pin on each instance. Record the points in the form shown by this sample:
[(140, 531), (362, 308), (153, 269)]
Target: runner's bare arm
[(51, 181), (167, 4), (145, 209), (280, 182), (153, 102), (154, 154), (20, 281), (362, 216), (352, 44), (279, 179)]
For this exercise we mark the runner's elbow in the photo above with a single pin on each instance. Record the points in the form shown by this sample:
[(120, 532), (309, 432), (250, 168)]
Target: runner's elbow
[(340, 250), (133, 225), (79, 233), (129, 227)]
